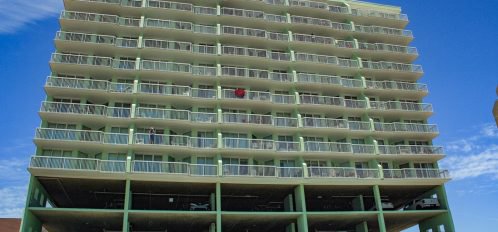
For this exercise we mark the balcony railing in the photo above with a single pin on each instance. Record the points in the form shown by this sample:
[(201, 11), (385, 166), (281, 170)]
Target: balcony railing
[(404, 106), (252, 144), (325, 123), (312, 39), (406, 127), (358, 125), (81, 136), (312, 146), (331, 172), (387, 48), (256, 74), (85, 109), (179, 25), (384, 30), (397, 85), (249, 170), (258, 33), (379, 14), (392, 66), (410, 150), (100, 18), (155, 113), (79, 164), (248, 118), (415, 173), (321, 100), (89, 84), (231, 170)]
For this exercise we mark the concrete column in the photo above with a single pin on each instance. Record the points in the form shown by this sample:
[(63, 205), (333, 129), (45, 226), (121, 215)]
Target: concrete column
[(378, 204), (218, 207)]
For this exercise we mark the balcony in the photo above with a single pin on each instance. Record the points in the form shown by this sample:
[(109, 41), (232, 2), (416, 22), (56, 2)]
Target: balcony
[(70, 41), (312, 146), (329, 80), (381, 47), (81, 136), (415, 173), (406, 127), (251, 144), (77, 164), (410, 150), (77, 87), (323, 59), (332, 101), (418, 88), (325, 123), (70, 63), (256, 74), (59, 111), (401, 106), (252, 14), (90, 166), (83, 21), (391, 66), (392, 35), (253, 37)]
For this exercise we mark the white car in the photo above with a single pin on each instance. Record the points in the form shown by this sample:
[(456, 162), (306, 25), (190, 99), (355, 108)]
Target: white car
[(386, 205), (424, 203)]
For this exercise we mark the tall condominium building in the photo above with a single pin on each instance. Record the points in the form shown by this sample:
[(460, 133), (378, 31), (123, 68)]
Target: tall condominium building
[(235, 116)]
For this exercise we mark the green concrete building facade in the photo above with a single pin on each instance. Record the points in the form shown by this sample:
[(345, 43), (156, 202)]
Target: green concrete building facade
[(235, 116)]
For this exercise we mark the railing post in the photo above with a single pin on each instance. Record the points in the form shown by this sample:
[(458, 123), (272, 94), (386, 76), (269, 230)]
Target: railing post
[(305, 170), (130, 136), (301, 144), (220, 168), (218, 29), (142, 20)]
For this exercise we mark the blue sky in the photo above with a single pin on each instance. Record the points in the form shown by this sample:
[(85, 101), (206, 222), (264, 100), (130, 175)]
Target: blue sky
[(459, 53)]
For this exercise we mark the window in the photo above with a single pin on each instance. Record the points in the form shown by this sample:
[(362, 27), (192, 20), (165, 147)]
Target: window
[(61, 126), (148, 157)]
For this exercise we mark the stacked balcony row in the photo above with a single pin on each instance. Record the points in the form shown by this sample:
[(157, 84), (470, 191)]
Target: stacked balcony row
[(232, 170), (188, 92), (295, 7), (293, 23), (225, 143), (237, 118)]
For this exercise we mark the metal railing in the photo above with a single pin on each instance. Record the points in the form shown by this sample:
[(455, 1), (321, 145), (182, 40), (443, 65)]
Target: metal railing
[(383, 30), (331, 172), (324, 123), (415, 173), (80, 164), (405, 106), (160, 89), (232, 170), (392, 66), (100, 18), (286, 146), (397, 85), (358, 125), (321, 100), (252, 144), (251, 32), (248, 118), (410, 149), (162, 140), (314, 146), (157, 113), (249, 170)]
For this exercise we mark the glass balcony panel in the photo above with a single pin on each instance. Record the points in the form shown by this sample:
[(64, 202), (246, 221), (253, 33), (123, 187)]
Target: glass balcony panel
[(203, 142), (151, 65), (204, 117), (290, 172), (73, 108), (205, 10), (142, 166), (160, 139), (204, 71), (169, 5), (320, 79), (115, 138), (164, 89), (118, 112), (324, 123), (367, 173), (157, 113), (285, 146), (204, 93), (247, 118), (313, 39), (203, 170), (331, 172), (354, 125), (312, 146), (249, 170), (112, 166), (67, 163), (363, 149)]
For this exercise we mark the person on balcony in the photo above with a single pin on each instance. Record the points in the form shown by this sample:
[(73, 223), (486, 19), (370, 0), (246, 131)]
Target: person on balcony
[(152, 135)]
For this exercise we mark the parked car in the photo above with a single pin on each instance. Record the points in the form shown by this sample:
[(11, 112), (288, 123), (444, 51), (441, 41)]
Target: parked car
[(386, 205), (424, 203)]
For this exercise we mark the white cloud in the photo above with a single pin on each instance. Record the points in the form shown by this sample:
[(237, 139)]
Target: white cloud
[(14, 14), (474, 156), (468, 166), (12, 200)]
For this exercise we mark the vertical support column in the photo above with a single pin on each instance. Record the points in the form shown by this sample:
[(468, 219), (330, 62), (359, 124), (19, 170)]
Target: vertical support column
[(358, 204), (300, 199), (378, 204), (29, 221), (127, 206), (218, 207), (362, 227), (445, 219)]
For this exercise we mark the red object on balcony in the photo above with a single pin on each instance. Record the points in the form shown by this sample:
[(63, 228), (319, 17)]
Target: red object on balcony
[(240, 93)]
